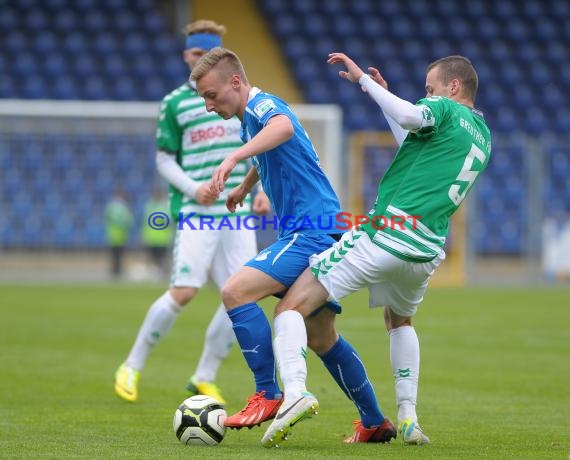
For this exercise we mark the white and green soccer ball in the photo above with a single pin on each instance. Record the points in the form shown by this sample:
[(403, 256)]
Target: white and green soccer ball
[(199, 420)]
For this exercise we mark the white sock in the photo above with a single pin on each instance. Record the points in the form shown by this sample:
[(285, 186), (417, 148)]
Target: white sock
[(405, 361), (218, 341), (290, 349), (158, 321)]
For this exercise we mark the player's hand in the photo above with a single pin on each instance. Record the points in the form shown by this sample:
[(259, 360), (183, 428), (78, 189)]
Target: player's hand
[(204, 195), (377, 77), (235, 198), (221, 175), (352, 73), (261, 204)]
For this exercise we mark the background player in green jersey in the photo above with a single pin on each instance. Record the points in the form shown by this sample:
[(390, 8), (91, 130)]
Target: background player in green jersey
[(445, 145), (190, 144)]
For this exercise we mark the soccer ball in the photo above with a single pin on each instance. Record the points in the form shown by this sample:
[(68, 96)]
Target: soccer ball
[(199, 420)]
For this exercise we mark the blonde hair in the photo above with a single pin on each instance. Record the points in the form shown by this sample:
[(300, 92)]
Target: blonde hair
[(204, 26), (227, 63)]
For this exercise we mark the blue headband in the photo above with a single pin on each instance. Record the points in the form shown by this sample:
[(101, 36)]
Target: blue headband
[(204, 41)]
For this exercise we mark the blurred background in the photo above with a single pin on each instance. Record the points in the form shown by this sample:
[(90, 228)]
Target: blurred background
[(81, 80)]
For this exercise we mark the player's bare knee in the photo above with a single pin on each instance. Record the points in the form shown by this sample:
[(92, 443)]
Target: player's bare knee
[(393, 320), (321, 333), (231, 294), (183, 295), (284, 305), (320, 344)]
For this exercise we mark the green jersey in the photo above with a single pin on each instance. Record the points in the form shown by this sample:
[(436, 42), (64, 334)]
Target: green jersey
[(200, 141), (433, 171)]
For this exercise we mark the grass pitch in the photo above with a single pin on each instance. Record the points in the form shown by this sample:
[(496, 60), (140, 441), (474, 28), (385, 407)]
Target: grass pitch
[(495, 377)]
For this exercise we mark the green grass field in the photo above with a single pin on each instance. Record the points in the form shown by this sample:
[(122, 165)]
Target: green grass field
[(495, 377)]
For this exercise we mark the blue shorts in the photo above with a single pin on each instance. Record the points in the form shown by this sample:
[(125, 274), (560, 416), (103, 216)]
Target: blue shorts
[(287, 258)]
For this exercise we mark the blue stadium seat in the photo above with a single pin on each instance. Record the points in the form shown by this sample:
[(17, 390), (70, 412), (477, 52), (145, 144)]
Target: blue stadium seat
[(533, 8), (295, 48), (557, 52), (114, 66), (344, 26), (85, 66), (459, 28), (75, 43), (287, 26), (9, 19), (307, 70), (25, 65), (373, 27), (54, 64), (153, 22), (96, 21), (36, 19), (154, 89), (274, 8), (362, 8), (333, 7), (401, 27), (544, 29), (85, 5), (319, 93), (559, 10), (517, 29), (105, 43), (125, 21), (561, 121), (143, 65), (66, 20), (164, 44), (8, 87), (65, 87), (34, 87), (135, 43), (95, 88), (302, 7)]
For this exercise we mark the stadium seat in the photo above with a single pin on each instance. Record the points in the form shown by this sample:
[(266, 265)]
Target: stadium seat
[(287, 26), (125, 21), (95, 88), (34, 87), (96, 21), (8, 87), (54, 64), (25, 66)]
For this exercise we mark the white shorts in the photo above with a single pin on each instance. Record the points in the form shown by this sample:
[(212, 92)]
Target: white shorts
[(218, 253), (356, 262)]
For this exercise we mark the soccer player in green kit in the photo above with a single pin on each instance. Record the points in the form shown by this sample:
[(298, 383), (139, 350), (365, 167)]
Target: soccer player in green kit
[(445, 144)]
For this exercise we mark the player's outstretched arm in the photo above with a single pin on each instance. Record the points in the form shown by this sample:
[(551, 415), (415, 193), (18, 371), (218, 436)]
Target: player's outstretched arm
[(278, 130), (353, 73), (406, 114)]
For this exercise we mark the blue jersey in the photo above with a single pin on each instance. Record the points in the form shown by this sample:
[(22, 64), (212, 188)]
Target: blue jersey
[(300, 193)]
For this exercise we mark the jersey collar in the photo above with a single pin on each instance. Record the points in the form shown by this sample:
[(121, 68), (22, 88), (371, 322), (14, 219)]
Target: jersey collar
[(252, 93)]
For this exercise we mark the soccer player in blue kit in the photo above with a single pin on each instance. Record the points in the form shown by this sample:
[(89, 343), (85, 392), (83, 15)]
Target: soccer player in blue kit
[(287, 164)]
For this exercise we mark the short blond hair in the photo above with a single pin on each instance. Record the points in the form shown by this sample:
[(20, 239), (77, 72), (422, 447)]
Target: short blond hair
[(227, 63), (204, 26)]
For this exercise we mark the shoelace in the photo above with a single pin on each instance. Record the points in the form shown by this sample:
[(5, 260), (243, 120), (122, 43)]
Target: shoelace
[(253, 402)]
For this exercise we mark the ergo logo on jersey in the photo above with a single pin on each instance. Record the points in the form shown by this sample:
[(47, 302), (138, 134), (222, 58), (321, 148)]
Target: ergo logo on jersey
[(213, 132)]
